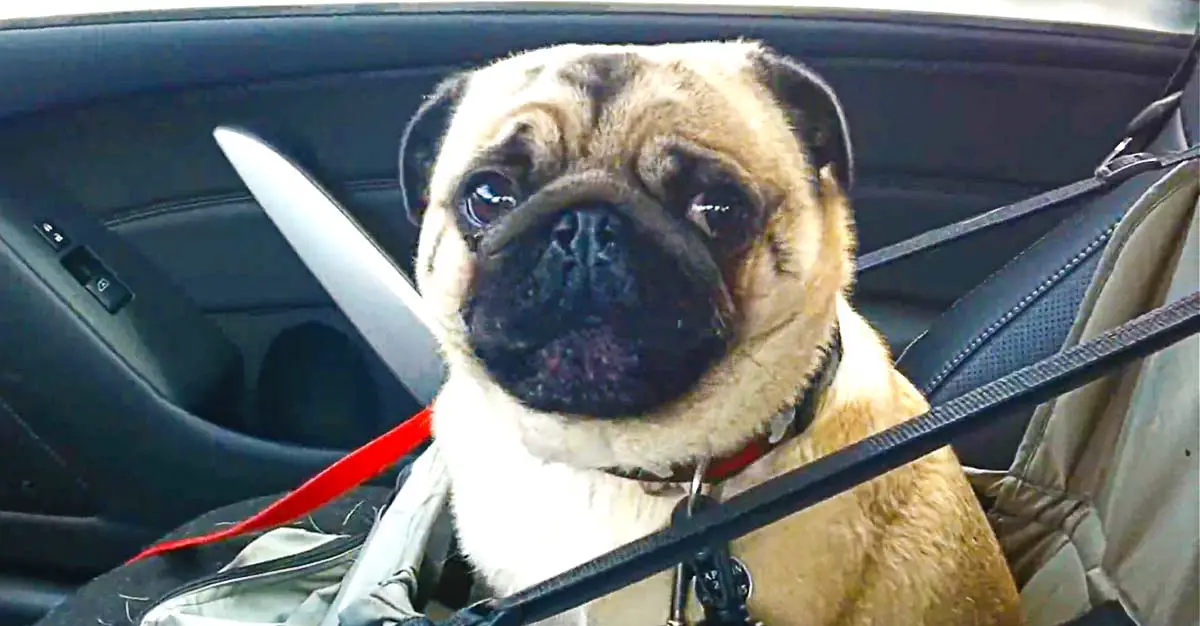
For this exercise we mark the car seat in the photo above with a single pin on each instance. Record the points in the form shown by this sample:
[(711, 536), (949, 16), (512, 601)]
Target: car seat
[(1092, 495), (1023, 312)]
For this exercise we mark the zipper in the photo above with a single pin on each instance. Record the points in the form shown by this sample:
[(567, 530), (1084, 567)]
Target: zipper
[(322, 554)]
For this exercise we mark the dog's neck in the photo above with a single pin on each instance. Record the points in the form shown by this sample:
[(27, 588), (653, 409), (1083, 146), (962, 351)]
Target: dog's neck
[(783, 427)]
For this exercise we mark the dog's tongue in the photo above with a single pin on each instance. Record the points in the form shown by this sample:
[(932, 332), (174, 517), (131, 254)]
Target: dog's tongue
[(589, 355)]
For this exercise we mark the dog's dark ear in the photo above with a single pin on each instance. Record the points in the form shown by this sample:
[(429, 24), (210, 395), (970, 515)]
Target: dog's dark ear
[(421, 141), (814, 111)]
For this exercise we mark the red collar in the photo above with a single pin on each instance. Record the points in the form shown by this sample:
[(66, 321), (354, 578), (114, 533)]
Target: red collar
[(723, 468), (719, 470)]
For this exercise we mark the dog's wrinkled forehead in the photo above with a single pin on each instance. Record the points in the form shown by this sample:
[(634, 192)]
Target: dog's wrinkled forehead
[(598, 83), (619, 107), (606, 107)]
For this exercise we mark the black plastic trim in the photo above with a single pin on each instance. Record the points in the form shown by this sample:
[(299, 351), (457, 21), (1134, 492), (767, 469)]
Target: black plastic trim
[(158, 322), (69, 546), (120, 396), (731, 9), (24, 601), (93, 61)]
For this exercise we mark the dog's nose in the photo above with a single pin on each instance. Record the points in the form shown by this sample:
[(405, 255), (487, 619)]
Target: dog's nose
[(586, 264), (589, 235)]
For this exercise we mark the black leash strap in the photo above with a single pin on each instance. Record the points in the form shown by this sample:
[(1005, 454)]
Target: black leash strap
[(1108, 175), (803, 487)]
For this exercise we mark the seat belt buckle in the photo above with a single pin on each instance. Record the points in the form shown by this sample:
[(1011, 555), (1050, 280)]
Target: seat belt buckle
[(1148, 120), (1118, 167)]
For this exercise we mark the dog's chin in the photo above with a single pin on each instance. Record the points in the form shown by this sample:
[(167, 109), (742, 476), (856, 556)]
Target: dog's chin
[(596, 371)]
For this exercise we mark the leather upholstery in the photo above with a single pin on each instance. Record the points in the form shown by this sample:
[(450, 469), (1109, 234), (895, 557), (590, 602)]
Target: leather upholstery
[(1023, 312)]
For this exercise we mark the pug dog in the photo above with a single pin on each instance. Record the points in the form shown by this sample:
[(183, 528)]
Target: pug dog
[(638, 261)]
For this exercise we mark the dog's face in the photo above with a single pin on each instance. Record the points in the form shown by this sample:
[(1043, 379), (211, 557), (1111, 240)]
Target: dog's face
[(612, 235)]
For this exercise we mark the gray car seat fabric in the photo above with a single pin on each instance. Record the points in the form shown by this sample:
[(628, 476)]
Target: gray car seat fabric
[(122, 595), (1100, 503), (1023, 312)]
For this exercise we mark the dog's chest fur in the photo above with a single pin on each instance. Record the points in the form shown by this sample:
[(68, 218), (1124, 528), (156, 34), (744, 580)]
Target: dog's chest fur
[(521, 519)]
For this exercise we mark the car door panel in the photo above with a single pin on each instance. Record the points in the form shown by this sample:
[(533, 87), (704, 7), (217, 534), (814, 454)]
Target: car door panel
[(949, 117), (932, 169)]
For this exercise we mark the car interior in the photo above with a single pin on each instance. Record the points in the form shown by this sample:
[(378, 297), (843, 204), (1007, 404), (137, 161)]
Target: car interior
[(163, 352)]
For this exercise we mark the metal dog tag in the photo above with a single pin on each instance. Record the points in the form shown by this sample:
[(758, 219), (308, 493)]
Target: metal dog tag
[(721, 583), (724, 583)]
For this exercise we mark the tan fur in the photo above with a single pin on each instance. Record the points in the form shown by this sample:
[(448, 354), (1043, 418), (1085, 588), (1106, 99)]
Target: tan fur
[(911, 547)]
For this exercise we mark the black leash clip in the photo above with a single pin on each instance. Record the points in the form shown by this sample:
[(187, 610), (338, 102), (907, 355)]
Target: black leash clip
[(721, 583)]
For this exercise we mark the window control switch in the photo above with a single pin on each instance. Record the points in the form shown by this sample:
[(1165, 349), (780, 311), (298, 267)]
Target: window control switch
[(97, 279), (109, 291)]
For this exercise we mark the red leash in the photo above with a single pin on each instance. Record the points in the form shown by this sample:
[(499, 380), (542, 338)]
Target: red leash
[(347, 473)]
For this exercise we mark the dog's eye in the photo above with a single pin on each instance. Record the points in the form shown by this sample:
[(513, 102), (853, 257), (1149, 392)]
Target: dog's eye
[(719, 211), (487, 197)]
